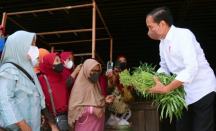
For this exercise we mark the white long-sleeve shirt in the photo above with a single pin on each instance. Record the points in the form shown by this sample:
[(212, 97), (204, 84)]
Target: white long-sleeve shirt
[(181, 54)]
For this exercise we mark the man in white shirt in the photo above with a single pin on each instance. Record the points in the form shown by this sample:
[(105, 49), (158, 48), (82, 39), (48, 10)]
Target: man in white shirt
[(181, 54)]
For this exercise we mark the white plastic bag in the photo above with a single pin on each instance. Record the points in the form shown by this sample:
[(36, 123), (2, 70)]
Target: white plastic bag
[(114, 120)]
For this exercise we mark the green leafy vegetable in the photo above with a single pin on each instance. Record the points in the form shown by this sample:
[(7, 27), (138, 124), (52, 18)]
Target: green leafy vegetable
[(171, 104)]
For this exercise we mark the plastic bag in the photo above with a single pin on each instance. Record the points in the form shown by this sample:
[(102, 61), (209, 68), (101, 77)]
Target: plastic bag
[(114, 120)]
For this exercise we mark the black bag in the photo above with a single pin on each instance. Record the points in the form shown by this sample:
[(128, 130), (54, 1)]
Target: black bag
[(24, 71), (61, 121)]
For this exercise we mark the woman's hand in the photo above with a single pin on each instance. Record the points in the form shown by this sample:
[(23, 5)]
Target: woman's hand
[(109, 98), (109, 75), (98, 112), (76, 71), (23, 126), (78, 68), (42, 120)]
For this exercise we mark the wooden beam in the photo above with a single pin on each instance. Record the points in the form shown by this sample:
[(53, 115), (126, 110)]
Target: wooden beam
[(58, 35), (17, 23), (18, 16), (66, 31), (99, 58), (51, 9), (79, 41), (44, 41), (111, 49), (93, 29), (103, 21), (52, 49), (34, 14), (66, 11), (50, 12), (83, 54), (54, 5), (26, 29), (12, 20), (4, 19)]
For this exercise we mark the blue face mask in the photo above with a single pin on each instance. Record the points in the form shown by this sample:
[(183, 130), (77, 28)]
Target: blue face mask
[(2, 43)]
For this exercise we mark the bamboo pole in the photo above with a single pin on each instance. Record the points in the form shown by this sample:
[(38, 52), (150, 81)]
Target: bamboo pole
[(52, 49), (70, 42), (51, 9), (93, 28), (4, 19), (103, 21), (111, 49), (66, 31)]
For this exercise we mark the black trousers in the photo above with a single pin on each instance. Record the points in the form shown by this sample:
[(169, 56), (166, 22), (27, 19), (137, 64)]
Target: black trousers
[(200, 115)]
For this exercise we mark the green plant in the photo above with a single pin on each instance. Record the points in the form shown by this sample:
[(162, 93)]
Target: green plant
[(171, 104)]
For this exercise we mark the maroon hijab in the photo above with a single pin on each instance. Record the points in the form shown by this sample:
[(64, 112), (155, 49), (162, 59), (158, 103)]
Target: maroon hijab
[(120, 86), (66, 72), (57, 84)]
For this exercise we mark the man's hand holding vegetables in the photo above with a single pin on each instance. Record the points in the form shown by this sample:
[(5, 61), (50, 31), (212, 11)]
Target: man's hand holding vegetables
[(160, 88)]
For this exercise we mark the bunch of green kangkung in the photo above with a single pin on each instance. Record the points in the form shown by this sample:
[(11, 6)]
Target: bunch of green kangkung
[(170, 104)]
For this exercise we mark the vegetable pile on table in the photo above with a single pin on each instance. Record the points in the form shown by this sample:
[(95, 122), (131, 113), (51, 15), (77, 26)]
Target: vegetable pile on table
[(170, 104)]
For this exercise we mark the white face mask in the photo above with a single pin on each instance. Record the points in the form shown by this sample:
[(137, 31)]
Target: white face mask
[(33, 52), (68, 64), (35, 63)]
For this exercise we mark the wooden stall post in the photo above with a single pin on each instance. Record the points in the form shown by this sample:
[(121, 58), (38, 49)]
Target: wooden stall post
[(52, 49), (93, 29), (111, 49), (4, 18)]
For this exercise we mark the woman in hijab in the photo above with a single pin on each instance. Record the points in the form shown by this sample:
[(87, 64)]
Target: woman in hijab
[(87, 103), (103, 82), (68, 73), (51, 67), (123, 99), (21, 99), (42, 52), (68, 62), (113, 78)]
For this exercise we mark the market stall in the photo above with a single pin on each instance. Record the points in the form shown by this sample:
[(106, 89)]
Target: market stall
[(52, 45)]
